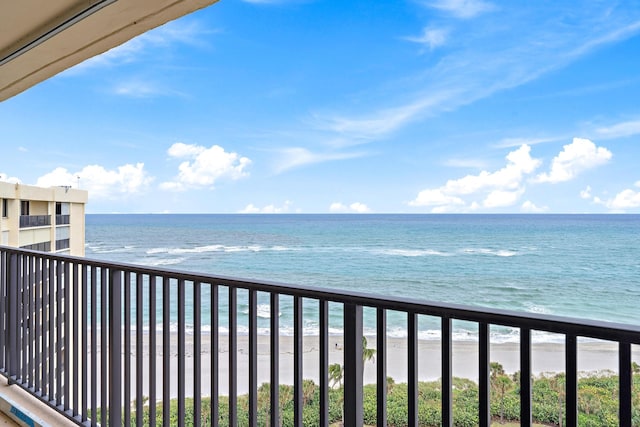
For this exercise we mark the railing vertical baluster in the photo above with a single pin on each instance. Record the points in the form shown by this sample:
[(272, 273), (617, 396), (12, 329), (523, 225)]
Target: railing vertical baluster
[(253, 358), (233, 356), (215, 341), (45, 328), (37, 318), (323, 363), (484, 367), (626, 384), (297, 360), (20, 330), (84, 324), (35, 337), (29, 323), (571, 354), (447, 371), (127, 348), (166, 351), (153, 350), (60, 347), (76, 328), (94, 346), (3, 304), (353, 365), (275, 360), (197, 355), (525, 376), (139, 349), (115, 344), (12, 316), (181, 351), (381, 375), (412, 369), (104, 342), (22, 317), (52, 330), (67, 340)]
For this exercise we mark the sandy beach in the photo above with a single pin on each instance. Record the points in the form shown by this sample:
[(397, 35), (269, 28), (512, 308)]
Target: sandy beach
[(546, 358)]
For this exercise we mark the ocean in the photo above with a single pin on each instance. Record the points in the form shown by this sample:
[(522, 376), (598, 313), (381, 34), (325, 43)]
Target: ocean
[(585, 266)]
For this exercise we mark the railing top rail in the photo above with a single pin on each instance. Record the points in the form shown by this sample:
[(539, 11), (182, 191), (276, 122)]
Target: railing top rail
[(534, 321)]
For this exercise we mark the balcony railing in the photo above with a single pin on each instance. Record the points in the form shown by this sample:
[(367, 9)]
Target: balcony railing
[(34, 220), (93, 338), (63, 244), (63, 219), (42, 247)]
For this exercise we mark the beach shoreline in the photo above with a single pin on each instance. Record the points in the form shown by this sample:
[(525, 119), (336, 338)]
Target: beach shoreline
[(547, 358)]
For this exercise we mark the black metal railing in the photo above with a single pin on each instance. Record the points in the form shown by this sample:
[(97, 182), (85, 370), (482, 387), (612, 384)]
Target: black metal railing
[(63, 219), (34, 220), (92, 339)]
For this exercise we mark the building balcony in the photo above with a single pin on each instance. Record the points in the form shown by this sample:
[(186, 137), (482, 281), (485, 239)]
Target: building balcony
[(63, 244), (63, 219), (42, 247), (27, 221), (92, 339)]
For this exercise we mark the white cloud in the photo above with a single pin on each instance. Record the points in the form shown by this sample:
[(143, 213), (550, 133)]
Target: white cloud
[(463, 9), (182, 150), (101, 183), (294, 157), (141, 89), (626, 199), (356, 207), (502, 198), (431, 37), (12, 179), (496, 189), (528, 44), (134, 50), (251, 208), (385, 121), (620, 130), (204, 166), (575, 158), (586, 193), (517, 142), (436, 197), (530, 207), (466, 163)]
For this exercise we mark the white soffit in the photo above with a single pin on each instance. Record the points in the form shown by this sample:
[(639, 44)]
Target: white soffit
[(40, 38)]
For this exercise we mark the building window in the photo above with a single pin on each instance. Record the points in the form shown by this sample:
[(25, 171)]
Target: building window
[(62, 244), (5, 208), (43, 247), (24, 207)]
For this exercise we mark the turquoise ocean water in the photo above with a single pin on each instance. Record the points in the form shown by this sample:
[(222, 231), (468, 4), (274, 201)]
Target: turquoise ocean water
[(585, 266)]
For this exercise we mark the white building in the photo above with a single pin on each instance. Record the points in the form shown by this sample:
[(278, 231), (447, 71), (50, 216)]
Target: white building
[(44, 219)]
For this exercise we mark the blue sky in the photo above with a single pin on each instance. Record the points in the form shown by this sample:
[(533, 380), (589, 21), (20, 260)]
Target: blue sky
[(318, 106)]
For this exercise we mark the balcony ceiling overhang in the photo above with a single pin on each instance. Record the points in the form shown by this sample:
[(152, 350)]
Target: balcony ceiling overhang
[(39, 39)]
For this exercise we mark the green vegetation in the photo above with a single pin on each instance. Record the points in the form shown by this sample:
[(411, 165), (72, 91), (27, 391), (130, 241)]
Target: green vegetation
[(597, 402)]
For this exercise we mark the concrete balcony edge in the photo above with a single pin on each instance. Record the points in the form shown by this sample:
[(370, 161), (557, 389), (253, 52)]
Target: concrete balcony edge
[(25, 410)]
